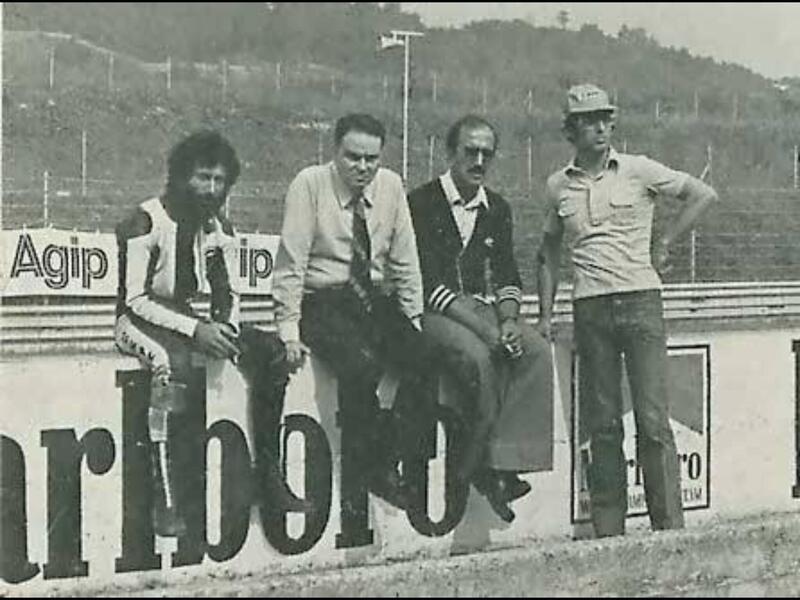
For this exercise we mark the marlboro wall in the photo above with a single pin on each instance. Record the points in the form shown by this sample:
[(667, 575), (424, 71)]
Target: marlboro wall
[(74, 507)]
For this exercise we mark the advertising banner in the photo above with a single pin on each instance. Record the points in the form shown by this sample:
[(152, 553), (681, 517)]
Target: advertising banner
[(53, 262), (689, 392)]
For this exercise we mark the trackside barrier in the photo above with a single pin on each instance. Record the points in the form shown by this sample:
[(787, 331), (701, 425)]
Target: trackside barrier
[(58, 326)]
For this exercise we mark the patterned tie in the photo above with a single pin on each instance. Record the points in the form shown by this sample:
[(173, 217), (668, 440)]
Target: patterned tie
[(360, 265)]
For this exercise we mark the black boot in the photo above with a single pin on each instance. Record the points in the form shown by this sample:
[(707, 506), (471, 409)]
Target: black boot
[(263, 364), (385, 451), (270, 482), (167, 518), (166, 400)]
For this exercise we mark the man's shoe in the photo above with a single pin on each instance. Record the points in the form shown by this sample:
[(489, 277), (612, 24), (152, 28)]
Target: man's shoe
[(490, 484), (501, 508), (514, 488)]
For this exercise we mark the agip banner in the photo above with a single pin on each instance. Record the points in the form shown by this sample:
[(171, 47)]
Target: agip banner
[(53, 262)]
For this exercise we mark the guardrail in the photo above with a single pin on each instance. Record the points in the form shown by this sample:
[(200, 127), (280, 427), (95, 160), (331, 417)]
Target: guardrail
[(58, 326)]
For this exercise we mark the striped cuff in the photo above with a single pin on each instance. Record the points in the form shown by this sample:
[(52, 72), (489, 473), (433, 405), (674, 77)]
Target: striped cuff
[(441, 297), (509, 292)]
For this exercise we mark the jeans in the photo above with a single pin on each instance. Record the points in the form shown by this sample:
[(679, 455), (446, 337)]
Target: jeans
[(607, 327)]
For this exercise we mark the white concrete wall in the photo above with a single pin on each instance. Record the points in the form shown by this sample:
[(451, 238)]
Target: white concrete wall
[(752, 424)]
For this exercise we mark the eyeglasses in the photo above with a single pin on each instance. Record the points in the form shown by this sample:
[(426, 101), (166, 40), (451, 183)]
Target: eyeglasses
[(473, 152)]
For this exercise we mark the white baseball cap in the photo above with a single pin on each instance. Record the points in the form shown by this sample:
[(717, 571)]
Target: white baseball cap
[(585, 98)]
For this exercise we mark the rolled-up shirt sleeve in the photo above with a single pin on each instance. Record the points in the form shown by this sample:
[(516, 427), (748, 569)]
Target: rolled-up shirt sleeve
[(403, 268), (551, 223), (292, 259), (660, 179)]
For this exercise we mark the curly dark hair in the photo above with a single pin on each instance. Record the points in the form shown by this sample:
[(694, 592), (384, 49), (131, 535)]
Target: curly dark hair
[(202, 148)]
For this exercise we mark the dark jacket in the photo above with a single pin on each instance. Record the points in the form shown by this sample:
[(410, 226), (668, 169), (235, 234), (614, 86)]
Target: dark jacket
[(486, 265)]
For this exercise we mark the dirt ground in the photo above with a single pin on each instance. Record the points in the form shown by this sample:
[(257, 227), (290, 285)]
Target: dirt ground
[(753, 556)]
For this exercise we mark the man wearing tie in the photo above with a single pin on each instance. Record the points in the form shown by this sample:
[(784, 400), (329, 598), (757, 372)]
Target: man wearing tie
[(348, 287), (464, 233)]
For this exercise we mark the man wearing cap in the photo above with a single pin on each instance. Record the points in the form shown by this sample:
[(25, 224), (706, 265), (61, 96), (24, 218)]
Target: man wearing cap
[(503, 368), (604, 201)]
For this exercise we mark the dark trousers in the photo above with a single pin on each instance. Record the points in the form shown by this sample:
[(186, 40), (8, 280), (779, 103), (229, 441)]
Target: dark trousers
[(262, 363), (507, 405), (607, 327), (359, 346)]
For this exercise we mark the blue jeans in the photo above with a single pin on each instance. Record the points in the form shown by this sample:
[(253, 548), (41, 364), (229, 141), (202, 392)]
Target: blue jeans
[(606, 327)]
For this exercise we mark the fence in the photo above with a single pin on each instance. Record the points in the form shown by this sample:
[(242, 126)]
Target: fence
[(59, 88), (55, 143), (750, 235)]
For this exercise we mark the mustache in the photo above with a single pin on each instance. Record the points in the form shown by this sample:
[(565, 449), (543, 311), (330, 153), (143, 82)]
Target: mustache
[(206, 202), (476, 170)]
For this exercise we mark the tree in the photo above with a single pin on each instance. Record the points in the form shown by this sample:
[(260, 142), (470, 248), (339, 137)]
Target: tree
[(392, 8), (591, 30), (563, 18), (637, 36)]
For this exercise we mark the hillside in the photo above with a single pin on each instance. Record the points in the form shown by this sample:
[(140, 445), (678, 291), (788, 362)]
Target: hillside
[(507, 55)]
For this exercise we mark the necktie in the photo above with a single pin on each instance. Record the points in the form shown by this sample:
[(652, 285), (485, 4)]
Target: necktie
[(360, 264)]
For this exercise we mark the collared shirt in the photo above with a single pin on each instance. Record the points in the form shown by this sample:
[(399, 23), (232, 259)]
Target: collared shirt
[(316, 244), (609, 219), (465, 213)]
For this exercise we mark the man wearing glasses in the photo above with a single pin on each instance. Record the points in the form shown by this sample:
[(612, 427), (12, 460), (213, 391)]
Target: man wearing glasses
[(604, 201), (472, 313)]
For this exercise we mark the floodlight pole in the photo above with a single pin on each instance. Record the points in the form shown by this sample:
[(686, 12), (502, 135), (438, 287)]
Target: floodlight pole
[(406, 35)]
